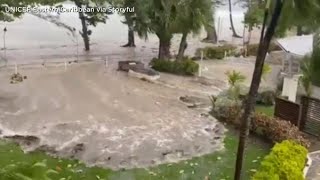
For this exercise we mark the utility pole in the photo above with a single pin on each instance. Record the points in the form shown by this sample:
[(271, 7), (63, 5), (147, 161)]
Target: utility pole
[(4, 45), (77, 42)]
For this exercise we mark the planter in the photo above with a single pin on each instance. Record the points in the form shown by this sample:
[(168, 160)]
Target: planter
[(145, 74), (127, 65)]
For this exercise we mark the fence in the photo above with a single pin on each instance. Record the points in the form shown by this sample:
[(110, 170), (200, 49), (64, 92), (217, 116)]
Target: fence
[(288, 110), (306, 115), (310, 119)]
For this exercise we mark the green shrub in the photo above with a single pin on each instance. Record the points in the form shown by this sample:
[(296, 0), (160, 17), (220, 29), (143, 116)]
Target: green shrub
[(266, 98), (227, 109), (272, 128), (285, 162), (277, 130), (216, 52), (184, 67), (235, 79), (252, 49)]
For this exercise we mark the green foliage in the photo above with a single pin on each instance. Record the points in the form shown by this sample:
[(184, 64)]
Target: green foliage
[(272, 128), (277, 130), (252, 49), (254, 16), (266, 70), (26, 171), (184, 67), (307, 74), (193, 15), (315, 63), (218, 52), (266, 98), (298, 13), (285, 162), (235, 79)]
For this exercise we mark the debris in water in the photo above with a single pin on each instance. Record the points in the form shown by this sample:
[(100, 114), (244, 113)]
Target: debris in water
[(16, 78)]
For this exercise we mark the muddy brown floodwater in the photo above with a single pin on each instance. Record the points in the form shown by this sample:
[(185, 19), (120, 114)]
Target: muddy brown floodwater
[(103, 117)]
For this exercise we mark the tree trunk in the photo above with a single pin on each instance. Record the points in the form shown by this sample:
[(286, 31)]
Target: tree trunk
[(315, 59), (249, 37), (131, 42), (164, 49), (212, 36), (183, 46), (255, 83), (84, 33), (299, 31), (234, 33)]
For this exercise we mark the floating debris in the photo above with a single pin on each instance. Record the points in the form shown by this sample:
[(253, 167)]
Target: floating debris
[(17, 78)]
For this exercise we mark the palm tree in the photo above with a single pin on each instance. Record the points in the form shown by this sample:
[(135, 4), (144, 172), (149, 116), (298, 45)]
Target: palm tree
[(235, 79), (315, 59), (234, 33), (158, 17), (299, 7), (307, 73), (193, 15), (129, 19)]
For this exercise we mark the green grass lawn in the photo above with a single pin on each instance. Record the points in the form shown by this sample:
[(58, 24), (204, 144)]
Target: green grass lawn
[(267, 110), (216, 166)]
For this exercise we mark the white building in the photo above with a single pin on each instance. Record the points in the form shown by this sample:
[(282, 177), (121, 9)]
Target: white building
[(296, 47)]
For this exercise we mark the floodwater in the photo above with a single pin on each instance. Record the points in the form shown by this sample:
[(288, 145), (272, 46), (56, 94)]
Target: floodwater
[(33, 39), (103, 117)]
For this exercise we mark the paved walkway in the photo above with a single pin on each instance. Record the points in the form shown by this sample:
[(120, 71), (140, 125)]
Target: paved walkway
[(314, 171)]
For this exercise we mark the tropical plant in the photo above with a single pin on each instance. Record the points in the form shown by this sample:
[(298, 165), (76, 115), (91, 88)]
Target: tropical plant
[(235, 78), (90, 18), (253, 17), (192, 16), (315, 59), (158, 17), (266, 70), (307, 74), (130, 17), (234, 33), (210, 28)]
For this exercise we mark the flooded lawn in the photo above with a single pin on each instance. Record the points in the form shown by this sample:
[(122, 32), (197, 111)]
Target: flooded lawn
[(103, 117), (219, 165)]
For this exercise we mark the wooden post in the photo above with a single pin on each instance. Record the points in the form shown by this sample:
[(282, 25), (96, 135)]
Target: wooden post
[(15, 68), (200, 65)]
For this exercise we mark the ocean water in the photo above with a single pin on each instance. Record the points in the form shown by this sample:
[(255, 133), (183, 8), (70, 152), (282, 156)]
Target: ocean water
[(31, 38)]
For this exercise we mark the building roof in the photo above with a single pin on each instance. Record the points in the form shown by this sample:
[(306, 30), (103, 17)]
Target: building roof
[(298, 45)]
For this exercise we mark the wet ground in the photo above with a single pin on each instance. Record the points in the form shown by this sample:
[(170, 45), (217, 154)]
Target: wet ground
[(314, 171), (104, 117)]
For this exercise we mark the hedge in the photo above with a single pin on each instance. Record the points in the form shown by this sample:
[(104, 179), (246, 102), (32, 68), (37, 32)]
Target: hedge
[(272, 128), (216, 52), (252, 49), (183, 67), (285, 162)]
